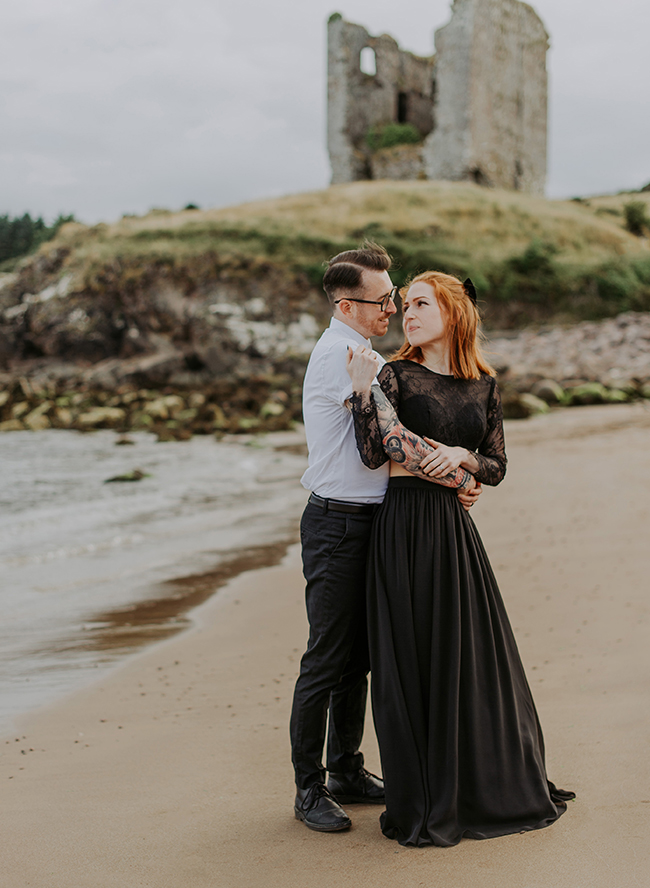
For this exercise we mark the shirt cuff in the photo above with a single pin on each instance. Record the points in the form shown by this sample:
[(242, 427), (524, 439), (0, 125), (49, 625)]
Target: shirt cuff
[(346, 394)]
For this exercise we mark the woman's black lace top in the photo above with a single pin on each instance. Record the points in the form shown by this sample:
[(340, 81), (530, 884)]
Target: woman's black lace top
[(456, 412)]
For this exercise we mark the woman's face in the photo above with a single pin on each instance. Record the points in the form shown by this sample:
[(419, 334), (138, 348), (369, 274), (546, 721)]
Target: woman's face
[(424, 323)]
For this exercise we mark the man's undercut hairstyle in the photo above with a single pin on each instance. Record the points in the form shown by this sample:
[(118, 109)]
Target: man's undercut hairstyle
[(344, 275)]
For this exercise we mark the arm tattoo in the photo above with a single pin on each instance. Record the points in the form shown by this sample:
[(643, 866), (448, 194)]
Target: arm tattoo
[(406, 448)]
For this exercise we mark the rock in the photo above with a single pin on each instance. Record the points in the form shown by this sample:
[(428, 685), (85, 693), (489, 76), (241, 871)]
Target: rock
[(549, 391), (246, 423), (513, 407), (534, 404), (271, 408), (124, 440), (618, 396), (517, 405), (185, 416), (19, 409), (135, 475), (614, 352), (644, 391), (570, 383), (174, 404), (64, 416), (11, 425), (4, 398), (589, 393), (36, 420), (141, 420), (619, 379), (219, 420), (157, 409), (15, 311), (101, 417), (165, 435), (196, 400)]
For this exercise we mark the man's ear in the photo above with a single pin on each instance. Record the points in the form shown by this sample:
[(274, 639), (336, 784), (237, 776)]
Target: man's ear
[(346, 308)]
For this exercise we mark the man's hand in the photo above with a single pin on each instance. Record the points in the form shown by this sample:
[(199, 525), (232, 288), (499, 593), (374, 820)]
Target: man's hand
[(362, 368), (468, 497)]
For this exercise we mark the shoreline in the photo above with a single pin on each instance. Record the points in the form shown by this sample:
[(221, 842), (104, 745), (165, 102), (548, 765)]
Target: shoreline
[(92, 571), (174, 768)]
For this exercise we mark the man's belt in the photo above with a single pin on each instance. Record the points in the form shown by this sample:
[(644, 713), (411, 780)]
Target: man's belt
[(330, 505)]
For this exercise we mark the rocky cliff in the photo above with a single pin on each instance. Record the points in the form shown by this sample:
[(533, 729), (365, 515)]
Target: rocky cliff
[(226, 338)]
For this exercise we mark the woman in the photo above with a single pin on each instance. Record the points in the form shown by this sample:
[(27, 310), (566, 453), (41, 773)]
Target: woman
[(461, 746)]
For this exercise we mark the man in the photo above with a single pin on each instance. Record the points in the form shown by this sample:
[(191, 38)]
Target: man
[(335, 532)]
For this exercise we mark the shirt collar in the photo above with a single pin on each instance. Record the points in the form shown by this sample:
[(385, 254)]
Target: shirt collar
[(339, 327)]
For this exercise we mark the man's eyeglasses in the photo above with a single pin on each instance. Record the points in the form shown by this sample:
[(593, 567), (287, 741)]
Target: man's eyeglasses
[(382, 303)]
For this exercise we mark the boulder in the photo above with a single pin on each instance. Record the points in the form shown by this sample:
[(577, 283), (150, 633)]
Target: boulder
[(588, 393), (19, 409), (174, 404), (36, 420), (157, 409), (63, 416), (11, 425), (618, 396), (534, 404), (101, 417), (513, 406), (549, 391)]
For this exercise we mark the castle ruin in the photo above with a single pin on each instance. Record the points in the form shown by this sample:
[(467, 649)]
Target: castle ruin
[(479, 105)]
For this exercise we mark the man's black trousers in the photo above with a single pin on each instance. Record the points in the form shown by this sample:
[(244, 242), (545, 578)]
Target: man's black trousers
[(334, 669)]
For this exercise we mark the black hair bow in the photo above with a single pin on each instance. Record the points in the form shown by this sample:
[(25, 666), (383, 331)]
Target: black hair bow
[(470, 289)]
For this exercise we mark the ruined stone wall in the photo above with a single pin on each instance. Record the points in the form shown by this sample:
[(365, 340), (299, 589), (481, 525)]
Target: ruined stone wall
[(401, 89), (480, 103), (491, 105)]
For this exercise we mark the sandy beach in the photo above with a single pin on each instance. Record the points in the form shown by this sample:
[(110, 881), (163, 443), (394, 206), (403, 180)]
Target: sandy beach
[(174, 769)]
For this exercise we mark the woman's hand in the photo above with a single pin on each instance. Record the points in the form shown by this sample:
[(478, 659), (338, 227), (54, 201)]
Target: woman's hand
[(468, 497), (362, 368), (444, 460)]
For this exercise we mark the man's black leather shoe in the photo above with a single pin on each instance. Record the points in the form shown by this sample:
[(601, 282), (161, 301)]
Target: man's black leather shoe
[(357, 787), (318, 810)]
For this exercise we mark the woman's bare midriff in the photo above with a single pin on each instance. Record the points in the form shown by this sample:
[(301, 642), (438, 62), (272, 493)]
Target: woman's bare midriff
[(396, 469)]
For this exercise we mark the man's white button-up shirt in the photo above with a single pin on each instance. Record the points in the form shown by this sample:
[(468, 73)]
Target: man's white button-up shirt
[(335, 467)]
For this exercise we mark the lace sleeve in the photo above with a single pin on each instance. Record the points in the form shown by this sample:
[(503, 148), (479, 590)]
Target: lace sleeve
[(387, 379), (491, 454), (376, 413), (367, 431)]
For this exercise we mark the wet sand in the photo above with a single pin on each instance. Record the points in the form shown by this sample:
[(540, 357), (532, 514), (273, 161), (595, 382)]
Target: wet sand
[(174, 770)]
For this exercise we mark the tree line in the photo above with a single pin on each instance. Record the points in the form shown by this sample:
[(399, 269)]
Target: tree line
[(22, 234)]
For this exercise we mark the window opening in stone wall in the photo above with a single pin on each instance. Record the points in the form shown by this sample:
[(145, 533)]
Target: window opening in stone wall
[(479, 176), (402, 107), (368, 61)]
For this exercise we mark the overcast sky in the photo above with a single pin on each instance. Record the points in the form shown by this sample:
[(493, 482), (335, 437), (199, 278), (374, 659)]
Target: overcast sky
[(117, 106)]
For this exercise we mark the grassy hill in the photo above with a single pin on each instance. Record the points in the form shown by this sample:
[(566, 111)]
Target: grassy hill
[(202, 321), (532, 259)]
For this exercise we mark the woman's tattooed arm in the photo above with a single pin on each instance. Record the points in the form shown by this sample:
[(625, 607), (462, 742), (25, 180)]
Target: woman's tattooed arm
[(401, 445)]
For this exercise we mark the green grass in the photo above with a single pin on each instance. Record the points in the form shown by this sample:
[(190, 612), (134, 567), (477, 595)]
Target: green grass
[(390, 134)]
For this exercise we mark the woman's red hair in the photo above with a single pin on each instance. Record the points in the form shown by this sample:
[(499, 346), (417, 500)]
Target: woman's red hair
[(463, 325)]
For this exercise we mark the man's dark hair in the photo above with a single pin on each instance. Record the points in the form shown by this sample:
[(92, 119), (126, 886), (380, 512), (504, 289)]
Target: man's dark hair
[(345, 270)]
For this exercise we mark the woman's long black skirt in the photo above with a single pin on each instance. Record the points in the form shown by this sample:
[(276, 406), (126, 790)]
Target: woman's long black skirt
[(461, 745)]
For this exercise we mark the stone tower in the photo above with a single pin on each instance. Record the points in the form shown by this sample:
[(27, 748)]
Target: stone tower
[(401, 90), (479, 104)]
